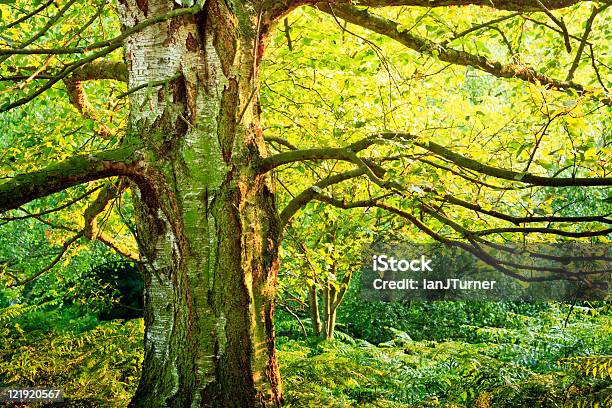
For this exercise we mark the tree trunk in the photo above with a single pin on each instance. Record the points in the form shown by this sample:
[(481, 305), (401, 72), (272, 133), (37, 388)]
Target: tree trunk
[(330, 296), (207, 225), (313, 305)]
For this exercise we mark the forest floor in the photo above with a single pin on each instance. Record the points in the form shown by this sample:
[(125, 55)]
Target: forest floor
[(539, 359)]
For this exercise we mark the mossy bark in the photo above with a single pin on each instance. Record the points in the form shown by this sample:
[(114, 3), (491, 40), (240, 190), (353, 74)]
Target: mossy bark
[(208, 229)]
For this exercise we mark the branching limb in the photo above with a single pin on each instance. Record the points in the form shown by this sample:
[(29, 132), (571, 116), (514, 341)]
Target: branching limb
[(543, 230), (56, 209), (394, 30), (279, 8), (560, 24), (280, 141), (477, 27), (101, 69), (511, 5), (348, 154), (118, 40), (27, 16), (106, 46), (75, 170), (95, 70), (91, 229), (523, 220), (504, 174), (42, 31), (310, 193), (473, 244), (54, 262), (583, 41), (63, 74), (106, 195), (326, 153), (78, 98)]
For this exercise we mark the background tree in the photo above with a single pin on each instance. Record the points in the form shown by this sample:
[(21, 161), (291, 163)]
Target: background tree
[(190, 149), (327, 247)]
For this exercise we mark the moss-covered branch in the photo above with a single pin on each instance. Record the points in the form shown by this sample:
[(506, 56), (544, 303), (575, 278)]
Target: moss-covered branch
[(349, 154), (395, 31), (76, 170), (278, 8), (514, 5)]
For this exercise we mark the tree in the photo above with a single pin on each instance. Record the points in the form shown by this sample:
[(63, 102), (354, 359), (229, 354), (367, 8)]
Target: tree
[(329, 251), (194, 156)]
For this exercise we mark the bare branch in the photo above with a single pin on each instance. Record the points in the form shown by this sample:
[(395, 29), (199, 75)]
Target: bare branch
[(27, 16), (54, 262), (61, 207), (543, 230), (523, 220), (585, 37), (310, 193)]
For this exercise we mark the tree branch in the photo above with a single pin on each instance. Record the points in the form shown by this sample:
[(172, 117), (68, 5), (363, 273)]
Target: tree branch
[(583, 41), (349, 154), (78, 98), (523, 220), (118, 40), (52, 210), (511, 5), (92, 71), (310, 193), (279, 8), (75, 170), (504, 174), (395, 31), (472, 247), (543, 230), (54, 262), (326, 153), (91, 230), (107, 46), (27, 16)]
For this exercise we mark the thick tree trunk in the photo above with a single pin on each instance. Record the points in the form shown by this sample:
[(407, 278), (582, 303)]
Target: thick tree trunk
[(207, 224)]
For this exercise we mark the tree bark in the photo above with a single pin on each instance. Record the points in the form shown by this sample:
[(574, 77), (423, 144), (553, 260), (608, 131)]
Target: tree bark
[(313, 305), (207, 225), (330, 295)]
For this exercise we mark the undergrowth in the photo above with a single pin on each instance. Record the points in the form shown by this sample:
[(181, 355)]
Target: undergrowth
[(535, 360)]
